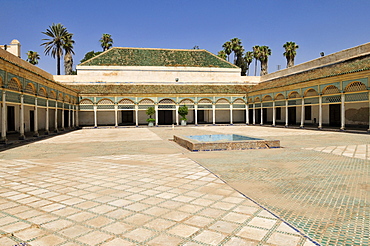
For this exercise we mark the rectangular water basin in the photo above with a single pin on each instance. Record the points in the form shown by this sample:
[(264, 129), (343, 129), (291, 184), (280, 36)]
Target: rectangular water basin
[(224, 142)]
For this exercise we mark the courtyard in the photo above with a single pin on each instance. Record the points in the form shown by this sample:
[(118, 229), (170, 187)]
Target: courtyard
[(135, 186)]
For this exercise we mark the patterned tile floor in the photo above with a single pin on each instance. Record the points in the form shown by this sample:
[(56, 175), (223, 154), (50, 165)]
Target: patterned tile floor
[(131, 186)]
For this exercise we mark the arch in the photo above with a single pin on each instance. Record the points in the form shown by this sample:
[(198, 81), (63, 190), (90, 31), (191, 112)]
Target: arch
[(105, 101), (14, 85), (257, 99), (355, 86), (60, 97), (250, 100), (147, 101), (310, 93), (279, 97), (330, 89), (86, 102), (42, 92), (166, 101), (126, 101), (186, 101), (30, 89), (53, 95), (294, 94), (205, 101), (223, 101), (266, 98), (66, 98), (239, 101)]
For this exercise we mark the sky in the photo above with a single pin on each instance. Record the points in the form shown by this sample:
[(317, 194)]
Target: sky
[(315, 25)]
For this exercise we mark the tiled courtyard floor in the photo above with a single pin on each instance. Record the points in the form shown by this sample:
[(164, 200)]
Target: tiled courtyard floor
[(132, 186)]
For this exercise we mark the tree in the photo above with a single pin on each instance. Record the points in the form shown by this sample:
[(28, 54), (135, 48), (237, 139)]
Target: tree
[(248, 58), (290, 53), (106, 41), (222, 54), (228, 49), (265, 52), (183, 111), (90, 55), (33, 57), (55, 42), (256, 55), (68, 49), (237, 48)]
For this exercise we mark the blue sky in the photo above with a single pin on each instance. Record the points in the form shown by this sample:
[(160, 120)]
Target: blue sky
[(315, 25)]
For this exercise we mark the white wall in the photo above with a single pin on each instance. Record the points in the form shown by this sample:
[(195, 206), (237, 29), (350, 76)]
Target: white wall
[(105, 118), (152, 74), (86, 118)]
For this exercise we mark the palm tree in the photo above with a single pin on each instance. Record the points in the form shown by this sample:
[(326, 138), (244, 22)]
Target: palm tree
[(228, 49), (68, 49), (54, 44), (290, 53), (248, 58), (256, 55), (265, 52), (237, 48), (222, 54), (33, 57), (106, 41)]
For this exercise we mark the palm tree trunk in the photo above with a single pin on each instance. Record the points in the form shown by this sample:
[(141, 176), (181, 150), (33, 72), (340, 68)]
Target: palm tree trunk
[(58, 64), (255, 68)]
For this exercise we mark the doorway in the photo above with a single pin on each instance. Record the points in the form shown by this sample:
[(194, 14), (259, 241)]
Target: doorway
[(127, 117), (334, 114), (66, 117), (200, 115), (32, 120), (11, 118), (165, 117), (292, 116)]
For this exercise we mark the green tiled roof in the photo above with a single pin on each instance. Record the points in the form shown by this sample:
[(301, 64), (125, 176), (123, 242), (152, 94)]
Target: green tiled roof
[(345, 67), (157, 57), (159, 89)]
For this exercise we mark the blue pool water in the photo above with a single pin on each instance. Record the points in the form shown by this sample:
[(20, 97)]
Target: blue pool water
[(221, 137)]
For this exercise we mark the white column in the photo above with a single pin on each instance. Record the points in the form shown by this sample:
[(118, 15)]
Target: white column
[(3, 119), (177, 114), (56, 116), (273, 114), (156, 114), (47, 117), (286, 113), (115, 115), (214, 114), (247, 114), (254, 113), (342, 112), (320, 111), (21, 117), (69, 115), (95, 116), (231, 114), (261, 115), (63, 116), (136, 115), (302, 114), (36, 130), (196, 114), (77, 107), (73, 115)]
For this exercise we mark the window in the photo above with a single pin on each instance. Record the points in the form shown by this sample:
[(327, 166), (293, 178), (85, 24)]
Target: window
[(278, 113), (307, 112)]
